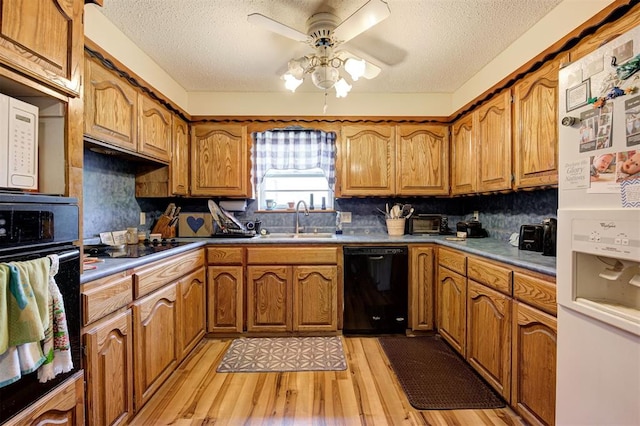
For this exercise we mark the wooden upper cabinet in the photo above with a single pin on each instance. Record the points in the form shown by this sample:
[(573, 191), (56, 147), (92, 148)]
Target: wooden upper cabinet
[(43, 39), (219, 160), (367, 161), (464, 157), (422, 160), (110, 107), (536, 130), (154, 129), (179, 166), (493, 133)]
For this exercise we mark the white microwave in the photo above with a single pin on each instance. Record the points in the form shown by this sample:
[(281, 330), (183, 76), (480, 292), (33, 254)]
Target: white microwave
[(18, 144)]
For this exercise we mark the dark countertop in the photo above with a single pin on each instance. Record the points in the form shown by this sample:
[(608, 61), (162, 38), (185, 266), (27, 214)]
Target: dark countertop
[(487, 247)]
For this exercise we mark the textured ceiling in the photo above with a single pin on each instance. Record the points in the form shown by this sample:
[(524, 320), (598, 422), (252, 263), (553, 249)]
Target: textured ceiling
[(424, 46)]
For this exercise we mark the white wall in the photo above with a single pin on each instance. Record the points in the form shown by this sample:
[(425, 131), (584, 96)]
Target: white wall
[(563, 19)]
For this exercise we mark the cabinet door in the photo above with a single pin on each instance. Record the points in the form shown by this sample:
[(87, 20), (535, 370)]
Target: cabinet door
[(219, 160), (110, 107), (421, 270), (422, 153), (489, 336), (192, 311), (269, 298), (62, 406), (109, 371), (464, 157), (367, 161), (154, 129), (154, 329), (493, 133), (44, 39), (225, 296), (536, 127), (179, 167), (534, 364), (452, 303), (315, 295)]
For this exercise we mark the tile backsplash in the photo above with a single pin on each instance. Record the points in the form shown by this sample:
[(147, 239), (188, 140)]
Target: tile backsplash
[(110, 204)]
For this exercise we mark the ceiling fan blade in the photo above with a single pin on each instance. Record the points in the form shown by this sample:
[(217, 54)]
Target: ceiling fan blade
[(373, 12), (276, 27), (370, 70)]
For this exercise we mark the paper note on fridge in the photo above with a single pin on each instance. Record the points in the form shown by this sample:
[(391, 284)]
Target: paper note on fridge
[(630, 192), (575, 174)]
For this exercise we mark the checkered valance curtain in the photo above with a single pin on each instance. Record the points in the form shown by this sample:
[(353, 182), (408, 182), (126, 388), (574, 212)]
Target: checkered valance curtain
[(298, 149)]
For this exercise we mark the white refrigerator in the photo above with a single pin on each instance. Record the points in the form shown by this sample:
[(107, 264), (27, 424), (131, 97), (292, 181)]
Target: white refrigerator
[(598, 249)]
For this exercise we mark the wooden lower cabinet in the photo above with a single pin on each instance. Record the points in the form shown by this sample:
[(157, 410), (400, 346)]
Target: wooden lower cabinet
[(269, 301), (109, 370), (315, 295), (155, 320), (225, 299), (489, 336), (534, 364), (192, 311), (62, 406), (452, 307), (421, 288)]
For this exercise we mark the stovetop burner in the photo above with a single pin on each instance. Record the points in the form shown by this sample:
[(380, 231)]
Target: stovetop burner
[(138, 250)]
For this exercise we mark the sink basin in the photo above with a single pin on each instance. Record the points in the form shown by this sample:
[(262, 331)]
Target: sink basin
[(301, 235)]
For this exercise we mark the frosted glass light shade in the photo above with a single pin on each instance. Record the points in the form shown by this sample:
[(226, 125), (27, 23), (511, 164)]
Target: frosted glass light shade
[(324, 77), (355, 68), (290, 82), (342, 88)]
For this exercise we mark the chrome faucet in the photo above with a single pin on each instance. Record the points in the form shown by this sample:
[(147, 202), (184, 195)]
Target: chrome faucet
[(306, 213)]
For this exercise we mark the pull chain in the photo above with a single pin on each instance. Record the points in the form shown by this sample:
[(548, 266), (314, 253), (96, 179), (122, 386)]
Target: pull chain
[(324, 109)]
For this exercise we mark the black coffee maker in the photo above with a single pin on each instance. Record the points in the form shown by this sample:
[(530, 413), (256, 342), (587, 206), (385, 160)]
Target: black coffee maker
[(549, 232)]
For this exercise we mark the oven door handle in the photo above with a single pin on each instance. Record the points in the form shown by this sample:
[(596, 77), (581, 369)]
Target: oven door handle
[(68, 254)]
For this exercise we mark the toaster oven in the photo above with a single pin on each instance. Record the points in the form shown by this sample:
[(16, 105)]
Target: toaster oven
[(427, 224)]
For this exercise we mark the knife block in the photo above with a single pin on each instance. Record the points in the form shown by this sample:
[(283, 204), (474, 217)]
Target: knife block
[(163, 227)]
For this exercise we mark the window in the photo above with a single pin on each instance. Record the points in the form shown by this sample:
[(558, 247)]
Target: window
[(291, 186), (294, 164)]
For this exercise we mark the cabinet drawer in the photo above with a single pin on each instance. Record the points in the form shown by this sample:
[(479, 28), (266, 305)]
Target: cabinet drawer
[(106, 295), (155, 275), (537, 292), (452, 260), (490, 274), (224, 255), (292, 256)]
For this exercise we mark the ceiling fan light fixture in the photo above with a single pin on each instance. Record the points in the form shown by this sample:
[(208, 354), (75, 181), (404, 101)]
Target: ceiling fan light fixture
[(291, 82), (342, 88), (355, 68), (324, 77)]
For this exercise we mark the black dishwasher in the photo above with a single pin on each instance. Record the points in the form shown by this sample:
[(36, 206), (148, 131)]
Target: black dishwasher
[(375, 290)]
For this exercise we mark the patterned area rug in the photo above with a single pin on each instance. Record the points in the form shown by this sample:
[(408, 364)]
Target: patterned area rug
[(434, 377), (264, 354)]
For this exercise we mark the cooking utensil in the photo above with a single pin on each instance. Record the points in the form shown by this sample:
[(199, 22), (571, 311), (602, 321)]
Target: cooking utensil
[(410, 213)]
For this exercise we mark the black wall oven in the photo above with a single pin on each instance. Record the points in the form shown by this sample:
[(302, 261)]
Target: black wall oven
[(34, 226)]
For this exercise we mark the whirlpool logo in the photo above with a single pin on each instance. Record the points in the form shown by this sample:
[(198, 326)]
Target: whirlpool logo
[(607, 225)]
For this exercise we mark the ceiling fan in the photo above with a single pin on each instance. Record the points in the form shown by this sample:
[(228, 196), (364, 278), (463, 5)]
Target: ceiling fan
[(324, 34)]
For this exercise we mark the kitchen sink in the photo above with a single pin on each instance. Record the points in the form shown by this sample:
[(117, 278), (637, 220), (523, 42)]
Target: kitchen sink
[(301, 235)]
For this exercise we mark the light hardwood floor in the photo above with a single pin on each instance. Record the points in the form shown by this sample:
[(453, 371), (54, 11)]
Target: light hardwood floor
[(367, 393)]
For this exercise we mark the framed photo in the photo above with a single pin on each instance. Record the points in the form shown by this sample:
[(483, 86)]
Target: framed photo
[(578, 96)]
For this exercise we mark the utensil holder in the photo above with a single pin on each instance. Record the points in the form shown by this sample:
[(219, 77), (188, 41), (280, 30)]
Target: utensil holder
[(395, 226)]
